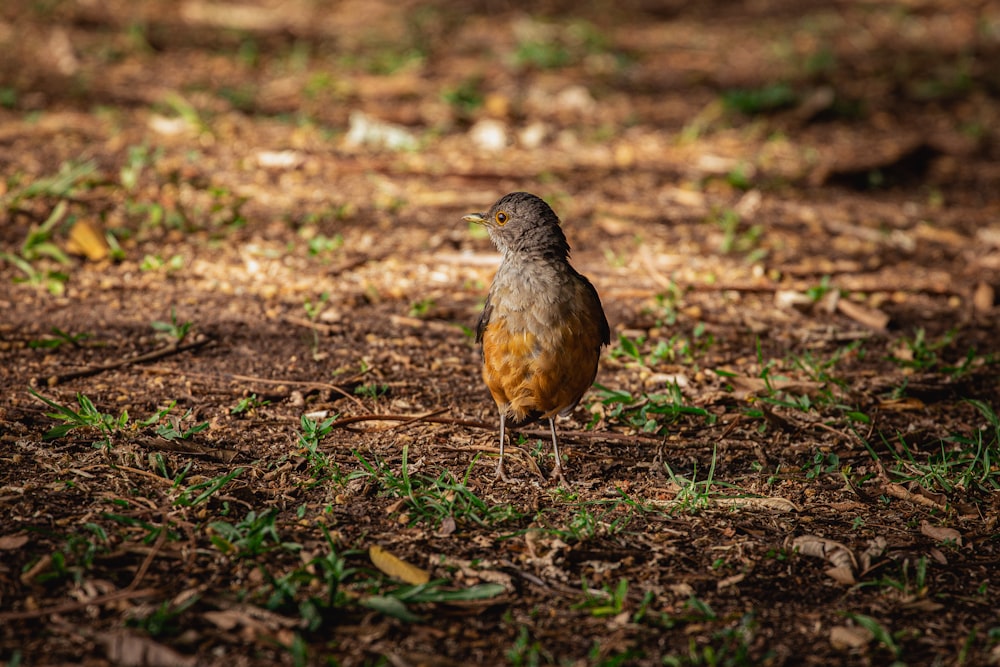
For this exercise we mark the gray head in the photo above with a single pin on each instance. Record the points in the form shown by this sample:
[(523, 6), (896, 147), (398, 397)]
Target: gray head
[(521, 223)]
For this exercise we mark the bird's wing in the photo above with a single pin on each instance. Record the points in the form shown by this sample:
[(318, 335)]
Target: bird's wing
[(605, 328), (484, 320)]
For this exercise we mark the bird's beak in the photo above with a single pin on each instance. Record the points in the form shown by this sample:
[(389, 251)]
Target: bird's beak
[(477, 218)]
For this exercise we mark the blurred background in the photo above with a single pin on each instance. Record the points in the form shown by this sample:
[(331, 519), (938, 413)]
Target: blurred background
[(231, 245)]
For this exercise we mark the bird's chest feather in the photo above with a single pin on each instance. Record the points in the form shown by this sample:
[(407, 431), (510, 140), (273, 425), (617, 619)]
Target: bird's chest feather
[(530, 300), (539, 343)]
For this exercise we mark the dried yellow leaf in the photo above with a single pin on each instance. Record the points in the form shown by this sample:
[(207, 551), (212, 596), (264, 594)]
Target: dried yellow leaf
[(85, 239), (397, 567)]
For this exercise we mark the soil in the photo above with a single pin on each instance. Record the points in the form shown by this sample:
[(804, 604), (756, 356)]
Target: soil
[(235, 231)]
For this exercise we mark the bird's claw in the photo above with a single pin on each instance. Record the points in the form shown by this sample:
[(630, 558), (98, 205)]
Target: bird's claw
[(557, 476)]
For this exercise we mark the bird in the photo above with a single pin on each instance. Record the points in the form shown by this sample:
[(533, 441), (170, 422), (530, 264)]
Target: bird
[(542, 327)]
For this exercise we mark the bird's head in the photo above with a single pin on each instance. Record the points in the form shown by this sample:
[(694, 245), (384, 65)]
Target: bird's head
[(521, 223)]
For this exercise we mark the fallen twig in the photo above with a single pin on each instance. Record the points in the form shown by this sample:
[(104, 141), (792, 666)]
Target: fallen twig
[(124, 594), (408, 419), (308, 384), (161, 539), (172, 348)]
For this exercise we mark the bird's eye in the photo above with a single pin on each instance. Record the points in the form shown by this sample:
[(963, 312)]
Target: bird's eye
[(501, 218)]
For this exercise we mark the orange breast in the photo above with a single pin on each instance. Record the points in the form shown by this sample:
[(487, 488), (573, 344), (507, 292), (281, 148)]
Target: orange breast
[(543, 368)]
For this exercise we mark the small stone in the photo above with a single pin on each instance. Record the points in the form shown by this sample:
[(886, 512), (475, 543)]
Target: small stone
[(489, 135)]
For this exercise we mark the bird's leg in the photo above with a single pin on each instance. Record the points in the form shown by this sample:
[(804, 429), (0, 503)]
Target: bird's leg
[(557, 471), (503, 437)]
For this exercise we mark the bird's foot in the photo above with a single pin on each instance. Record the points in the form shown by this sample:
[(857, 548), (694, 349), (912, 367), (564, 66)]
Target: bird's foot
[(501, 473), (557, 476)]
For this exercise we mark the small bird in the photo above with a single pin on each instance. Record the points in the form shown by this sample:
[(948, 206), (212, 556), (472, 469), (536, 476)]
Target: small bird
[(543, 326)]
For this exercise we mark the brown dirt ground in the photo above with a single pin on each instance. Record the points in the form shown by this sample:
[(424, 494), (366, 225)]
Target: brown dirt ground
[(223, 165)]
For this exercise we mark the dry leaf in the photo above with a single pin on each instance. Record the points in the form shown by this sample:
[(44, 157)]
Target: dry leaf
[(925, 605), (938, 556), (835, 553), (231, 619), (940, 533), (846, 505), (875, 549), (448, 526), (730, 581), (396, 567), (775, 504), (11, 542), (897, 491), (748, 204), (903, 352), (682, 590), (127, 649), (869, 317), (940, 499), (847, 637), (983, 298), (478, 572), (85, 239), (901, 404), (787, 299), (225, 619), (395, 507), (842, 575), (744, 386), (828, 303)]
